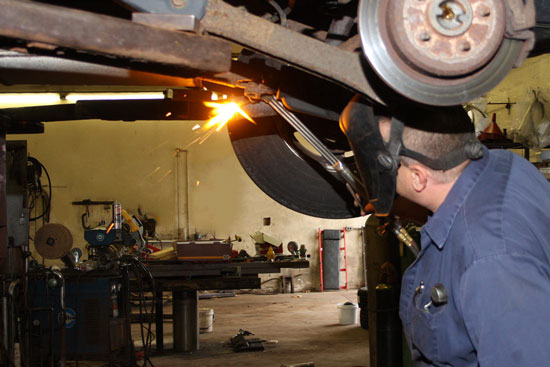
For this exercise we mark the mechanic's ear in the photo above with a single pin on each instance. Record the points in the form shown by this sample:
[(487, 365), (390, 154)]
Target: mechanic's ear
[(419, 178)]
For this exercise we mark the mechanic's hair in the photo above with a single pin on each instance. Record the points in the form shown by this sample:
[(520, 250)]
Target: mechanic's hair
[(434, 132), (434, 145)]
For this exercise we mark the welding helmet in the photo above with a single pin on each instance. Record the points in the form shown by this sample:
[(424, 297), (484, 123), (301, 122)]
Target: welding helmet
[(377, 161)]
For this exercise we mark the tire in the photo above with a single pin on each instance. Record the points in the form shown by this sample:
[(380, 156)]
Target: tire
[(362, 297), (364, 318), (287, 175)]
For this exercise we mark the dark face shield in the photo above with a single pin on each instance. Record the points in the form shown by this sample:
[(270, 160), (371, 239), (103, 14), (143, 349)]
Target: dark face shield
[(377, 161), (375, 164)]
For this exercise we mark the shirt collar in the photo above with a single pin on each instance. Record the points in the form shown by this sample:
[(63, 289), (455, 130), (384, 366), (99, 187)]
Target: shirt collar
[(439, 224)]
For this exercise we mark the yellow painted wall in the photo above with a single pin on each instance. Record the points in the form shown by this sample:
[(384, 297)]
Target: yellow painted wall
[(136, 164), (226, 198), (533, 74), (132, 162)]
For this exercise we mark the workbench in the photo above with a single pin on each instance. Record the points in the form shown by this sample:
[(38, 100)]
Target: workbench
[(185, 279)]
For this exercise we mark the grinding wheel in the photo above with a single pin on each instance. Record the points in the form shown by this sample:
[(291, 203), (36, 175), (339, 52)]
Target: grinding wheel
[(53, 241)]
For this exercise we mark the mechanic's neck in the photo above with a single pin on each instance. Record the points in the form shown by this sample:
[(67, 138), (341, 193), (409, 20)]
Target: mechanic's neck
[(438, 192), (437, 195)]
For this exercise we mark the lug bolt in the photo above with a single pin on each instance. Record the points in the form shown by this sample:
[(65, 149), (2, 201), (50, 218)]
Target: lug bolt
[(425, 36), (464, 46), (483, 11)]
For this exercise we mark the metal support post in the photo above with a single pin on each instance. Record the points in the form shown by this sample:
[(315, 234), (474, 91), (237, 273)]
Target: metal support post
[(382, 252), (159, 320), (6, 256), (5, 252), (186, 321)]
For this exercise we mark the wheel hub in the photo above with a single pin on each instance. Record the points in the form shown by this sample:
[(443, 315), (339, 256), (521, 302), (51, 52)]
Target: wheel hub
[(445, 37), (438, 52), (451, 18)]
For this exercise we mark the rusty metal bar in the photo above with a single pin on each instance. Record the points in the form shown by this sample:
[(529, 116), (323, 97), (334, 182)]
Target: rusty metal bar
[(100, 34), (304, 52), (18, 71)]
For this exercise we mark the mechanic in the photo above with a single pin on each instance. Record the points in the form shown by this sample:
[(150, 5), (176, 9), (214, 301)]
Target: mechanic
[(479, 292)]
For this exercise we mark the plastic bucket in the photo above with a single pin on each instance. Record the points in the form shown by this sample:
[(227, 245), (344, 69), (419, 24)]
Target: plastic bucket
[(206, 320), (347, 313)]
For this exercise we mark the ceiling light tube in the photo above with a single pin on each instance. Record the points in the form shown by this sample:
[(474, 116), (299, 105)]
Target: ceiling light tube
[(74, 97), (28, 99)]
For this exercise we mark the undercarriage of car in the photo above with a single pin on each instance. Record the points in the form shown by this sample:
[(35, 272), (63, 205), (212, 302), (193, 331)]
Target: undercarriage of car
[(293, 65)]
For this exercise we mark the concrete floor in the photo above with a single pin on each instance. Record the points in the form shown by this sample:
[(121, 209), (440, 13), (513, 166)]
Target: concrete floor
[(304, 324)]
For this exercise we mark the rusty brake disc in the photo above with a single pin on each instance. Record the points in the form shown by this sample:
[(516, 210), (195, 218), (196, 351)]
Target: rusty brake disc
[(438, 52)]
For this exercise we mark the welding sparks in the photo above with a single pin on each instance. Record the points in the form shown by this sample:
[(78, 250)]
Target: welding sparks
[(223, 112), (168, 173), (153, 172)]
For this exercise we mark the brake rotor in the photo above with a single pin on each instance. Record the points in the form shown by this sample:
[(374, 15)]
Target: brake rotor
[(53, 241), (438, 52)]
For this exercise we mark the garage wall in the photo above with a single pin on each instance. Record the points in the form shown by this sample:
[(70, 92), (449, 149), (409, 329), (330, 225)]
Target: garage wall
[(137, 164), (130, 162), (221, 194), (533, 75)]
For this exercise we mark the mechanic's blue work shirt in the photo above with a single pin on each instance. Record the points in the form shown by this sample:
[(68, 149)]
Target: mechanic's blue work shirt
[(488, 246)]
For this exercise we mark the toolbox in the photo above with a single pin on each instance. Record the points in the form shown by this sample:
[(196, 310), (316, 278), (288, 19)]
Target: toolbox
[(206, 250)]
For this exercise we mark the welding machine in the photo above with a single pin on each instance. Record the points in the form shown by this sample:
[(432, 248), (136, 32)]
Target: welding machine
[(96, 319)]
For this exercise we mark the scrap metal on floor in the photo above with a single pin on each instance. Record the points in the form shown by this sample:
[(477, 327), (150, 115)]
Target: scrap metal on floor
[(305, 327)]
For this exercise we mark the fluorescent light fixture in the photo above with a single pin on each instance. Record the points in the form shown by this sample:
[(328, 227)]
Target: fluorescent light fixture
[(37, 99), (74, 97), (29, 99)]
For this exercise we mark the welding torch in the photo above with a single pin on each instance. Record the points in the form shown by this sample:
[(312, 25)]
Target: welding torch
[(333, 165), (339, 169)]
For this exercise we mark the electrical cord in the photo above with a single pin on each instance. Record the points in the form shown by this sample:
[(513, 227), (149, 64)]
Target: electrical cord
[(280, 11), (150, 335), (35, 189), (3, 344), (6, 353), (147, 336)]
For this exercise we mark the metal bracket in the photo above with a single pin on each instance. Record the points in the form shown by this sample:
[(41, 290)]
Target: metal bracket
[(178, 22), (254, 91), (187, 7), (111, 37)]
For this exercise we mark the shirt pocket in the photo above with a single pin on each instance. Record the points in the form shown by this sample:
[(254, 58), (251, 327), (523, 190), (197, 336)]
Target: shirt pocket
[(424, 328)]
